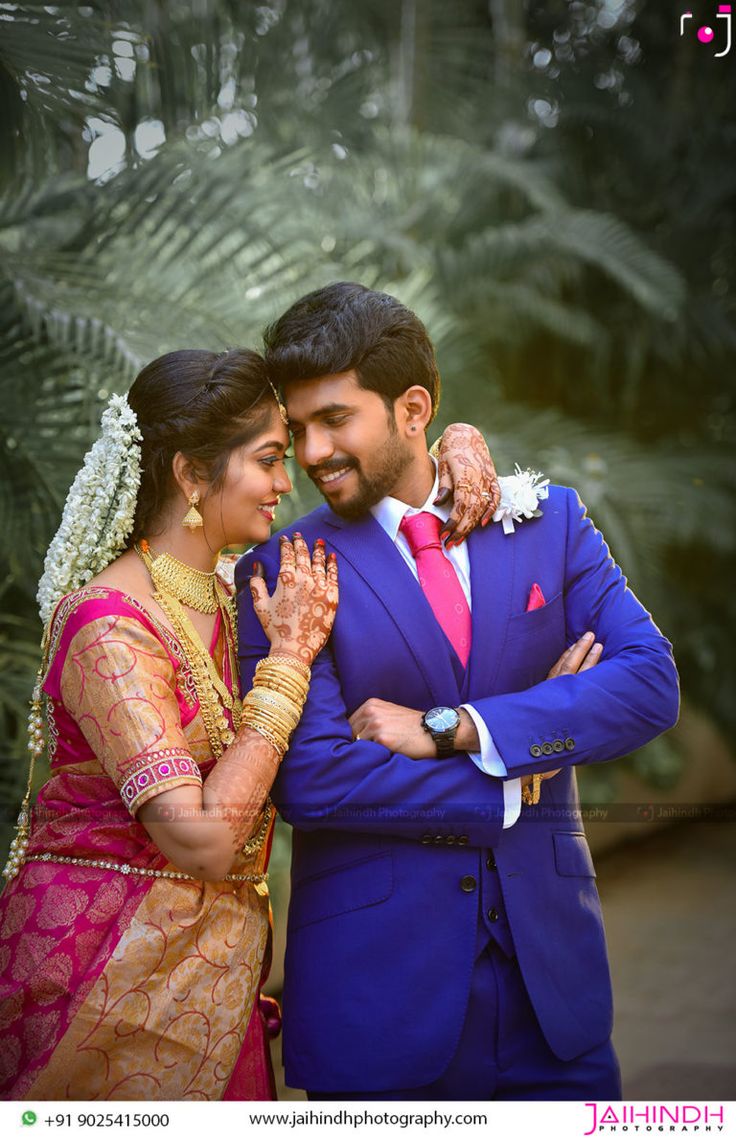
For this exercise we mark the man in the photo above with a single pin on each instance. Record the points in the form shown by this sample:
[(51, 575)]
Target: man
[(442, 942)]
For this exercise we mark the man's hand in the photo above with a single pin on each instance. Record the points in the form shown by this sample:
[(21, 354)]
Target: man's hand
[(583, 654), (398, 728)]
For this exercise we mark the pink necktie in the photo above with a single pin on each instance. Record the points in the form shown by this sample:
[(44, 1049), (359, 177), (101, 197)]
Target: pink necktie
[(439, 580)]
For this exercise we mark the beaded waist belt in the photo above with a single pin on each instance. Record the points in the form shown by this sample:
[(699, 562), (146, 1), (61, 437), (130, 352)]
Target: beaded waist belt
[(118, 867)]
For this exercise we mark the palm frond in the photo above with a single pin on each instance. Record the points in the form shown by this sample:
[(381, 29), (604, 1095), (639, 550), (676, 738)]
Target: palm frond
[(47, 401), (605, 243), (47, 56)]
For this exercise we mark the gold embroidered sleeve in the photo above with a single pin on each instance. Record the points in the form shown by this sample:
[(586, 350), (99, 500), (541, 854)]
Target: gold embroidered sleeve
[(119, 684)]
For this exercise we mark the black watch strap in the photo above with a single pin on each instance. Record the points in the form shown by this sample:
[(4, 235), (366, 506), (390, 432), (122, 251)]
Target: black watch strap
[(445, 742)]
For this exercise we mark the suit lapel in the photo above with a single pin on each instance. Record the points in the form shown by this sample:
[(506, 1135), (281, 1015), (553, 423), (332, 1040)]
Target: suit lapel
[(374, 557), (492, 563)]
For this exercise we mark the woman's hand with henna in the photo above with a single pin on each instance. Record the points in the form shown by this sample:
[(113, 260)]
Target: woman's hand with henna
[(467, 475), (298, 617), (579, 657)]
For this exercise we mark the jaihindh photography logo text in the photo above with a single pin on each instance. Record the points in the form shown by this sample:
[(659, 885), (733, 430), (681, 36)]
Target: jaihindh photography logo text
[(653, 1118)]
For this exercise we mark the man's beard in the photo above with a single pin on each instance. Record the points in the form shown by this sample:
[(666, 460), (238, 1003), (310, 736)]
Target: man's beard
[(388, 466)]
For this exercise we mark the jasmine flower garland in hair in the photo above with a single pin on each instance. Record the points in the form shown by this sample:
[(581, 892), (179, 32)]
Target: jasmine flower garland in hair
[(99, 510)]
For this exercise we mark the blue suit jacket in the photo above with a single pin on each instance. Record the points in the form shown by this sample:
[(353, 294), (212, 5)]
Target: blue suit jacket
[(381, 938)]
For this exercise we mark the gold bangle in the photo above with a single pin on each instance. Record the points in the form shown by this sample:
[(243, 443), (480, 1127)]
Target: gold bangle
[(293, 683), (267, 730), (290, 707), (270, 719), (270, 668), (274, 693), (280, 677), (289, 711), (294, 662), (279, 746)]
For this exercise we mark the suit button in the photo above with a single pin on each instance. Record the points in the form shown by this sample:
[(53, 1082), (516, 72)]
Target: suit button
[(535, 751), (439, 840), (490, 862), (468, 884), (426, 839), (558, 746), (569, 744), (547, 748), (493, 915), (450, 839), (462, 840)]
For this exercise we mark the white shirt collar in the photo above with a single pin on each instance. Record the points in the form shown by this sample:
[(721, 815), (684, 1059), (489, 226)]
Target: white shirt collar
[(390, 512)]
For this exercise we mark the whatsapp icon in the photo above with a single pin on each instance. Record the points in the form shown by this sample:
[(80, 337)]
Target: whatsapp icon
[(28, 1118)]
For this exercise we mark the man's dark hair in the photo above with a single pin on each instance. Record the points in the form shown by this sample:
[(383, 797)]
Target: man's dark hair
[(347, 327)]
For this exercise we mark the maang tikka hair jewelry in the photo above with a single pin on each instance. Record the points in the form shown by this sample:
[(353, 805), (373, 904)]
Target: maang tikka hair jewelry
[(193, 519), (279, 404)]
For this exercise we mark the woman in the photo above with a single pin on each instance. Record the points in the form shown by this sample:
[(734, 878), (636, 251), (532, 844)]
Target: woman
[(134, 932)]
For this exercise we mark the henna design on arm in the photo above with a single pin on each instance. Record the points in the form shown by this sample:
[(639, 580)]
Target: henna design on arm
[(237, 788)]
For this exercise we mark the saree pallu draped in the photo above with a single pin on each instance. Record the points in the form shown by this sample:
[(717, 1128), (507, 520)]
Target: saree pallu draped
[(116, 986)]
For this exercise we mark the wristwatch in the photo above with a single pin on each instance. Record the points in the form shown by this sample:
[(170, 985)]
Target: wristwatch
[(442, 723)]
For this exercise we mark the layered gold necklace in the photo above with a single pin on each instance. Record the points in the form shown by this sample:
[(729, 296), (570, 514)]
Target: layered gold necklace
[(177, 584), (191, 587)]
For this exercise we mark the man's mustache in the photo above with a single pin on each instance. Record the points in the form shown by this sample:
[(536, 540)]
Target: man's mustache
[(330, 467)]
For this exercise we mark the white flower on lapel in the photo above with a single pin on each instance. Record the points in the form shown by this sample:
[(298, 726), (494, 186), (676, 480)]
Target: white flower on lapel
[(521, 494)]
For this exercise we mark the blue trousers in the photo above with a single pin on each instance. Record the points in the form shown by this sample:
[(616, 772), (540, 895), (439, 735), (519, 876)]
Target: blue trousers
[(502, 1053)]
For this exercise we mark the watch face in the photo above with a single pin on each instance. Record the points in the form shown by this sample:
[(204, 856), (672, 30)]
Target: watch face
[(442, 718)]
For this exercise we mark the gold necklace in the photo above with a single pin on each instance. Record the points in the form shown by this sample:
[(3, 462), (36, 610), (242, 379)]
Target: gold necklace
[(213, 694), (192, 587)]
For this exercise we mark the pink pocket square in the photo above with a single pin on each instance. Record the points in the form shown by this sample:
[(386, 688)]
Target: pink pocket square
[(536, 598)]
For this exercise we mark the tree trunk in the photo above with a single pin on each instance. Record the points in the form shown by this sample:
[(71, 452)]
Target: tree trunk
[(509, 33), (409, 69)]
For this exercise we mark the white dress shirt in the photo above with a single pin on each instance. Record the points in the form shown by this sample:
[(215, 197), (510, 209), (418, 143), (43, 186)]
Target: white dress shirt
[(389, 513)]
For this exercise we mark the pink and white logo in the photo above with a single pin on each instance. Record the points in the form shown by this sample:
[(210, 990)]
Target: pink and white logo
[(708, 34), (613, 1118)]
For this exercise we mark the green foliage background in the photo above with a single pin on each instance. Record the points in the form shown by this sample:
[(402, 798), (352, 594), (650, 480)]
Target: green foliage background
[(550, 184)]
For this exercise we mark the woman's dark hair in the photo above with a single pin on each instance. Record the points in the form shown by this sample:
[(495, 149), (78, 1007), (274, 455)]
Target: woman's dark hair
[(348, 327), (204, 404)]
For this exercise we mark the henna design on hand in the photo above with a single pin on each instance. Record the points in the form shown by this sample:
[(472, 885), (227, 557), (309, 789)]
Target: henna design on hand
[(298, 617), (467, 473)]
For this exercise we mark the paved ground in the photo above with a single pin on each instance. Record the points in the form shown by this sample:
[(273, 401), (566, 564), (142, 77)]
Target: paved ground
[(670, 909)]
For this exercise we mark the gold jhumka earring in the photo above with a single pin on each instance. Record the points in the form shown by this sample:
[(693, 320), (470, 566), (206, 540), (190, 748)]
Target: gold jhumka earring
[(192, 518)]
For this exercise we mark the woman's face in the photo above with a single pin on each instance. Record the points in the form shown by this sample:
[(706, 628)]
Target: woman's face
[(241, 511)]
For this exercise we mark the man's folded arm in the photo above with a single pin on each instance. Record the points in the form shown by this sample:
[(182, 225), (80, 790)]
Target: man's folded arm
[(330, 780), (626, 700), (486, 757)]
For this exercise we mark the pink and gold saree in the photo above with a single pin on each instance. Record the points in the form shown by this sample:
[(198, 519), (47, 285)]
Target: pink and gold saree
[(115, 985)]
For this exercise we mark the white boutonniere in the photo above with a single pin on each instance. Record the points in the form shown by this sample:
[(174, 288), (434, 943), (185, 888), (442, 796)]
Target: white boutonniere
[(521, 494)]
